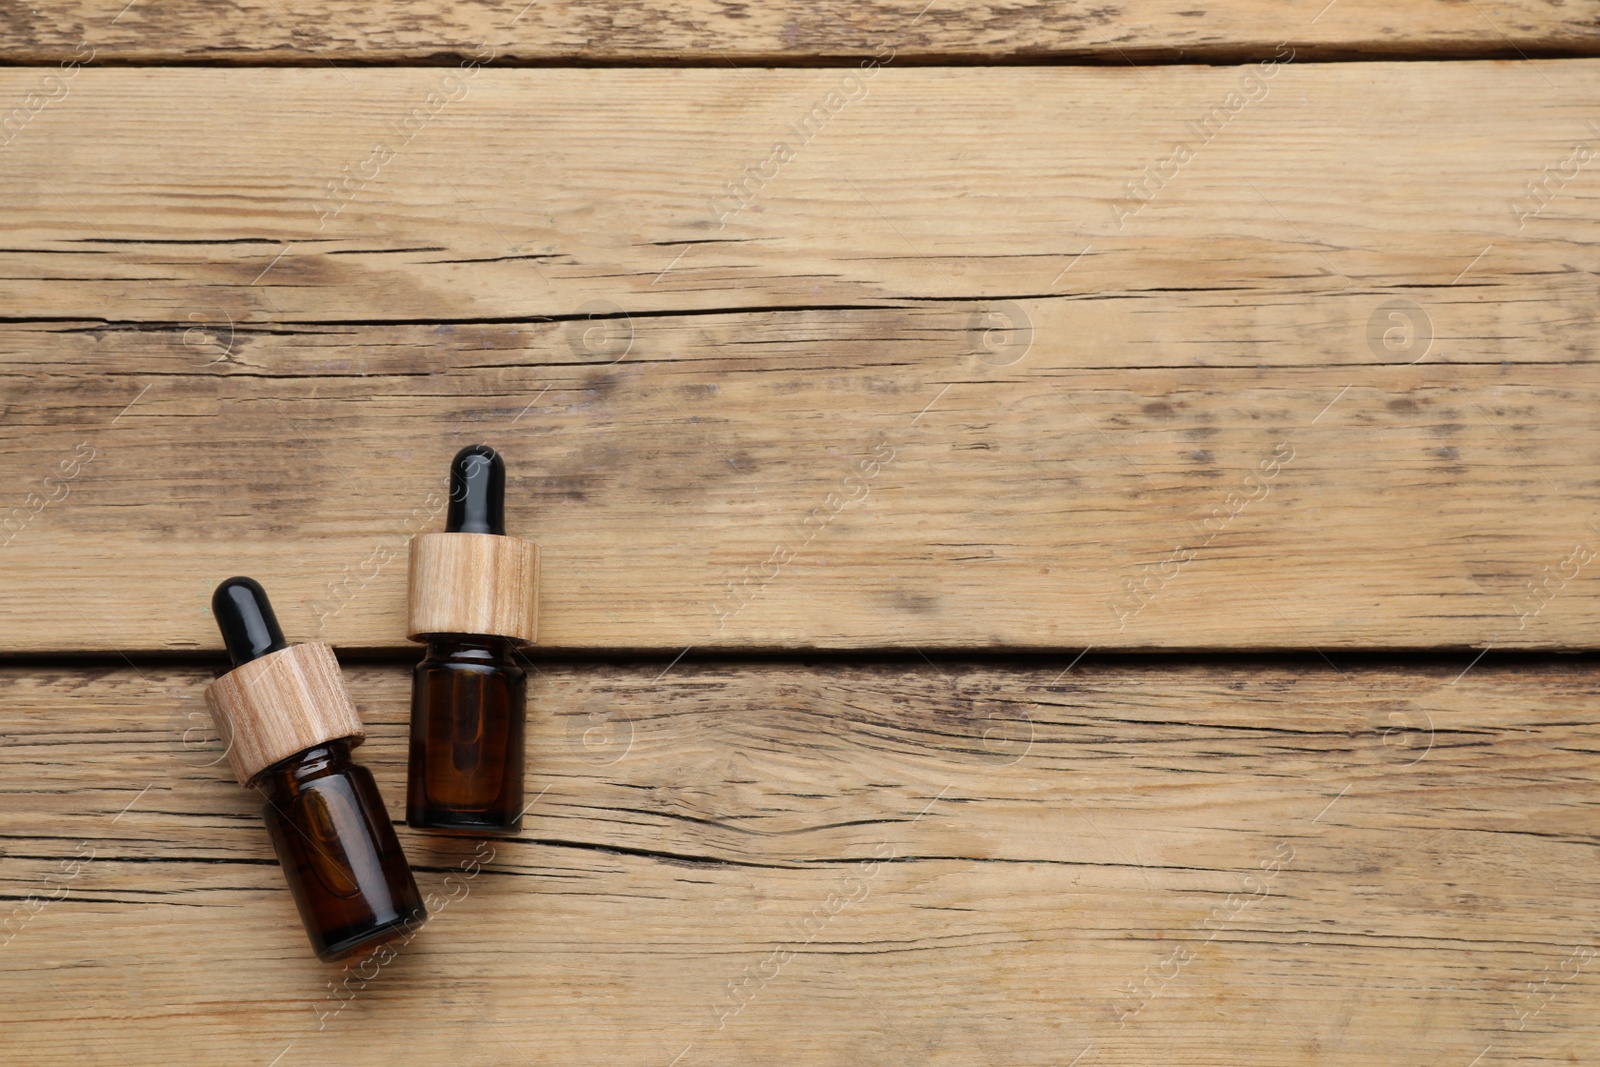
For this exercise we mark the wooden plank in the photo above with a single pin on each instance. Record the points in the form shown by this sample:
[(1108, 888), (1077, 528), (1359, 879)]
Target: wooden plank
[(698, 31), (260, 396), (1255, 863), (1010, 513), (539, 193)]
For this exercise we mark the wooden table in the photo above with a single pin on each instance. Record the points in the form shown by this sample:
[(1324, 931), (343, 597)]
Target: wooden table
[(1069, 533)]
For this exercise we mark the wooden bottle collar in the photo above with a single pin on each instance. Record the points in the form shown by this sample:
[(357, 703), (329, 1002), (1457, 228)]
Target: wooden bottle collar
[(285, 702), (472, 583)]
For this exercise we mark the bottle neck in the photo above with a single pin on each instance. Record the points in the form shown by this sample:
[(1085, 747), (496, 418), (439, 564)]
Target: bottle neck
[(470, 648), (287, 776)]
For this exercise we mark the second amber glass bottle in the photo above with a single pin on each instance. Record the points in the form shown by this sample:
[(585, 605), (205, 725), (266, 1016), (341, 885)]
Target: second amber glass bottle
[(473, 600), (289, 726)]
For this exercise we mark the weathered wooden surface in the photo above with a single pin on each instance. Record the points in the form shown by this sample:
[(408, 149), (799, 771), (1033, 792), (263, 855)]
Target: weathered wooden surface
[(703, 31), (260, 395), (980, 359), (1373, 866), (539, 193), (1415, 511)]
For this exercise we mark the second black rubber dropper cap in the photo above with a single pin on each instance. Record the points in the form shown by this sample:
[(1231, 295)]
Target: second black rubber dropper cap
[(477, 492), (245, 617)]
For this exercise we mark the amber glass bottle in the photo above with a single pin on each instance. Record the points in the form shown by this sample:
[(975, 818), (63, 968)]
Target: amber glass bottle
[(339, 852), (472, 600), (467, 719), (289, 726)]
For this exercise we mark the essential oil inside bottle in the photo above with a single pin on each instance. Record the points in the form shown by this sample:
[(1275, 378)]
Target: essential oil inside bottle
[(467, 724), (339, 851)]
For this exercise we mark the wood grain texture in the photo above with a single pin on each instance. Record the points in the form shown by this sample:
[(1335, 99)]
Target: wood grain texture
[(708, 32), (547, 194), (1068, 407), (467, 583), (283, 703), (1416, 511), (1252, 863), (844, 357)]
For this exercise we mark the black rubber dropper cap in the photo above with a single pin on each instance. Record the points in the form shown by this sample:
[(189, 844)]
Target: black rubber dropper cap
[(244, 615), (477, 492)]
